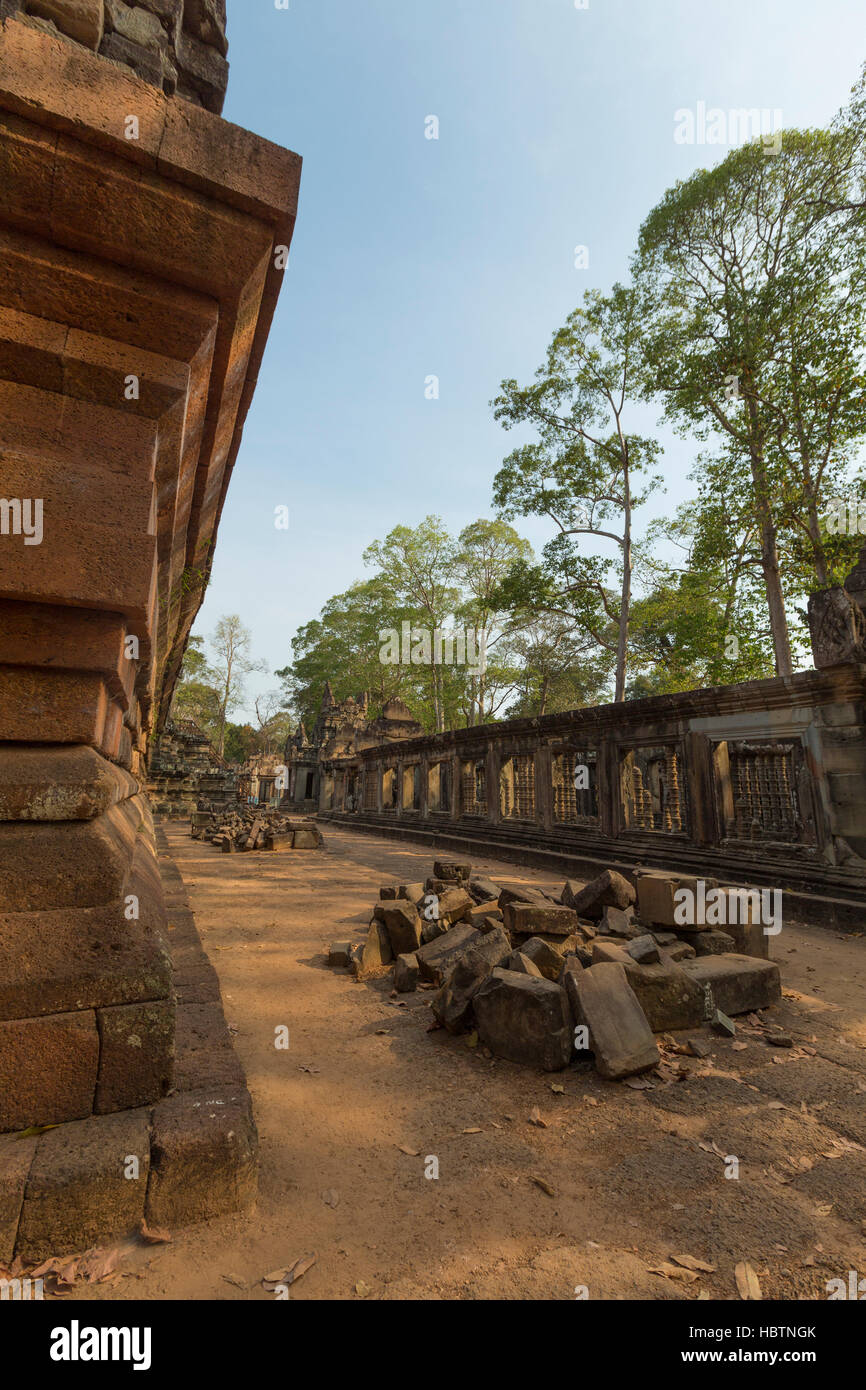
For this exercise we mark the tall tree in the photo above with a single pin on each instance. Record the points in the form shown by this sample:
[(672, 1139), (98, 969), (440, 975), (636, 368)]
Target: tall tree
[(737, 260), (232, 663), (420, 565), (582, 471), (486, 552)]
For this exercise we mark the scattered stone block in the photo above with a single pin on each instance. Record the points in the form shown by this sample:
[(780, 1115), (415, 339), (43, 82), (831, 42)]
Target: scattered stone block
[(523, 965), (605, 950), (412, 892), (388, 894), (737, 984), (665, 938), (377, 948), (451, 871), (609, 889), (438, 959), (338, 954), (714, 943), (455, 905), (571, 890), (483, 890), (679, 951), (669, 998), (403, 925), (519, 893), (406, 974), (722, 1024), (452, 1005), (547, 960), (306, 839), (620, 1037), (536, 919), (656, 894), (618, 922), (644, 950), (524, 1019)]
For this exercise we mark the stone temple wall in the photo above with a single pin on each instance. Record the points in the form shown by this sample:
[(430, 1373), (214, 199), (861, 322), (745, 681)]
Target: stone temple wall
[(138, 278), (762, 783), (179, 46)]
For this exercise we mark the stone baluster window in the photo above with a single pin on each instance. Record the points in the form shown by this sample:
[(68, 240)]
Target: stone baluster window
[(575, 787), (652, 792), (758, 790), (517, 787), (473, 788)]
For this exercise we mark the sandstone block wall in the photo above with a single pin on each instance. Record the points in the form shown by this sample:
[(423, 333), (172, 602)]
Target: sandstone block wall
[(138, 277), (179, 46)]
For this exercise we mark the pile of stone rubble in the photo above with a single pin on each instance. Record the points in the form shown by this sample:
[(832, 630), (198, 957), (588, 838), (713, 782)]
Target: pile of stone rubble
[(254, 827), (543, 981)]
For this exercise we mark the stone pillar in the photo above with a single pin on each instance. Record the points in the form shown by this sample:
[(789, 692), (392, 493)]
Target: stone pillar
[(138, 278)]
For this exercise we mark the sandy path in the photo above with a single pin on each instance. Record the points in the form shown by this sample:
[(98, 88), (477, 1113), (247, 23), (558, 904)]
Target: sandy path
[(631, 1184)]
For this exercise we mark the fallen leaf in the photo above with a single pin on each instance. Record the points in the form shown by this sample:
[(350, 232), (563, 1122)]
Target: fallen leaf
[(331, 1198), (543, 1184), (362, 1290), (290, 1275), (669, 1271), (34, 1130), (557, 1088), (473, 1131), (230, 1279), (154, 1235), (472, 1040), (689, 1262), (535, 1118), (412, 1153), (748, 1286)]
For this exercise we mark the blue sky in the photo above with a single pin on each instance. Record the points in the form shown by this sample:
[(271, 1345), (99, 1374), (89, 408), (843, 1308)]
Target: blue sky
[(455, 256)]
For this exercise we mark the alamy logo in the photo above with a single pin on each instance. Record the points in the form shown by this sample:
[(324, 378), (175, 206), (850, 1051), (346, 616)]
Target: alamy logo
[(721, 907), (77, 1343), (21, 1290), (855, 1288), (417, 646), (22, 516), (734, 127)]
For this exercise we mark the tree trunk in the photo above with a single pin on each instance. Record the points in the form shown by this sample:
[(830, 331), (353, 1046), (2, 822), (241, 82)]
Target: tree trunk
[(625, 605), (769, 545)]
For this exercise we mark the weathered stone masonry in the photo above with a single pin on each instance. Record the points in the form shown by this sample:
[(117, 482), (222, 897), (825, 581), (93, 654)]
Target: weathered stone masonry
[(763, 782), (137, 284)]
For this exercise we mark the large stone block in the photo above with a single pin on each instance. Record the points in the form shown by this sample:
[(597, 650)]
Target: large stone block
[(204, 1157), (620, 1037), (737, 984), (82, 20), (87, 1184), (534, 919), (609, 889), (437, 958), (136, 1058), (16, 1158), (403, 925), (452, 1005), (524, 1019), (48, 1069)]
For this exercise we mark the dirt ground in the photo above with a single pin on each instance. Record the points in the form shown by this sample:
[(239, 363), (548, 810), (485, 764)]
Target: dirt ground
[(636, 1175)]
